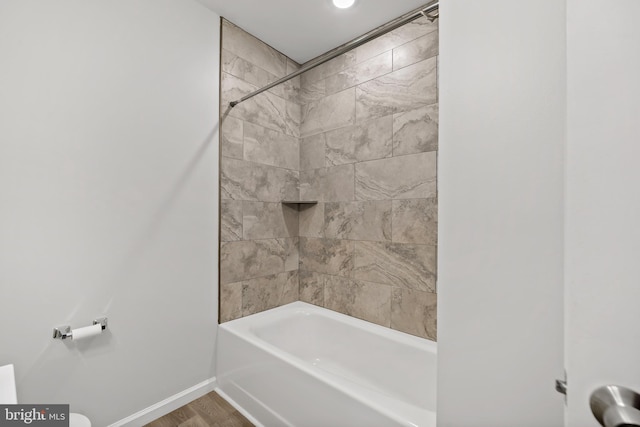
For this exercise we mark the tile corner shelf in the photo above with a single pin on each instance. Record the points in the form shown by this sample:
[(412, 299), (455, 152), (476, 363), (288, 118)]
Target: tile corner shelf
[(299, 202)]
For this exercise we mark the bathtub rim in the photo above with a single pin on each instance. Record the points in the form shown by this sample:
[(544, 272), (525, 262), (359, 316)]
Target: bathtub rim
[(405, 413), (244, 324)]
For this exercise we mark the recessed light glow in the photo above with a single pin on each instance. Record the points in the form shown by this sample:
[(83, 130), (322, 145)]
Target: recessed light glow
[(343, 4)]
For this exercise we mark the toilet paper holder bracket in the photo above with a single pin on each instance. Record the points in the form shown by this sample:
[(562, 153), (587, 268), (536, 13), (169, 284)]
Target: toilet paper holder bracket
[(64, 332)]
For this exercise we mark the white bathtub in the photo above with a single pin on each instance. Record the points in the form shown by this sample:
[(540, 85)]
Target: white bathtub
[(304, 366)]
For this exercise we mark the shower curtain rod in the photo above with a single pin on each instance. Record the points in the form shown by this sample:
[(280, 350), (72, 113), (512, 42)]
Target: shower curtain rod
[(381, 30)]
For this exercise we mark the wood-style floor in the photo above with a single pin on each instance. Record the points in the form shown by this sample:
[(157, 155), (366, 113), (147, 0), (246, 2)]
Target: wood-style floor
[(210, 410)]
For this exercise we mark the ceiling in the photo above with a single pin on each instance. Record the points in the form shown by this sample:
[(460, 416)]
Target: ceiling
[(304, 29)]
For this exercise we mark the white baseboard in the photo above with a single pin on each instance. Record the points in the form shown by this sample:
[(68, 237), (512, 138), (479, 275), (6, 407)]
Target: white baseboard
[(169, 404)]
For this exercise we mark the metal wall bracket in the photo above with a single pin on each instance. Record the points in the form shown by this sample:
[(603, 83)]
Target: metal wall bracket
[(65, 332), (102, 321), (561, 386), (62, 332)]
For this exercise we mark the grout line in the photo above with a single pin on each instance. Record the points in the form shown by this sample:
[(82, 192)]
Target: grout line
[(392, 286), (248, 279), (261, 164), (355, 105), (391, 221), (242, 227), (366, 241)]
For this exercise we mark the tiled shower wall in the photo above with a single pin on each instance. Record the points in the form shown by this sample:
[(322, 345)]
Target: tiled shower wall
[(365, 129), (368, 154), (259, 168)]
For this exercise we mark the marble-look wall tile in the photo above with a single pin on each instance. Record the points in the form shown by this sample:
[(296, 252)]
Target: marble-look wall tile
[(414, 312), (404, 177), (230, 220), (415, 51), (360, 73), (312, 91), (242, 180), (312, 288), (291, 249), (232, 137), (367, 301), (231, 89), (312, 152), (334, 184), (269, 147), (396, 264), (333, 66), (268, 220), (370, 220), (417, 28), (331, 112), (230, 301), (267, 110), (311, 220), (248, 47), (366, 141), (339, 220), (294, 117), (329, 256), (244, 260), (269, 292), (369, 125), (255, 75), (415, 131), (395, 38), (415, 221), (245, 70), (291, 88), (403, 90)]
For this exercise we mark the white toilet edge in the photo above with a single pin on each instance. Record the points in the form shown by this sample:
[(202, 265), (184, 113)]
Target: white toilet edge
[(78, 420)]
